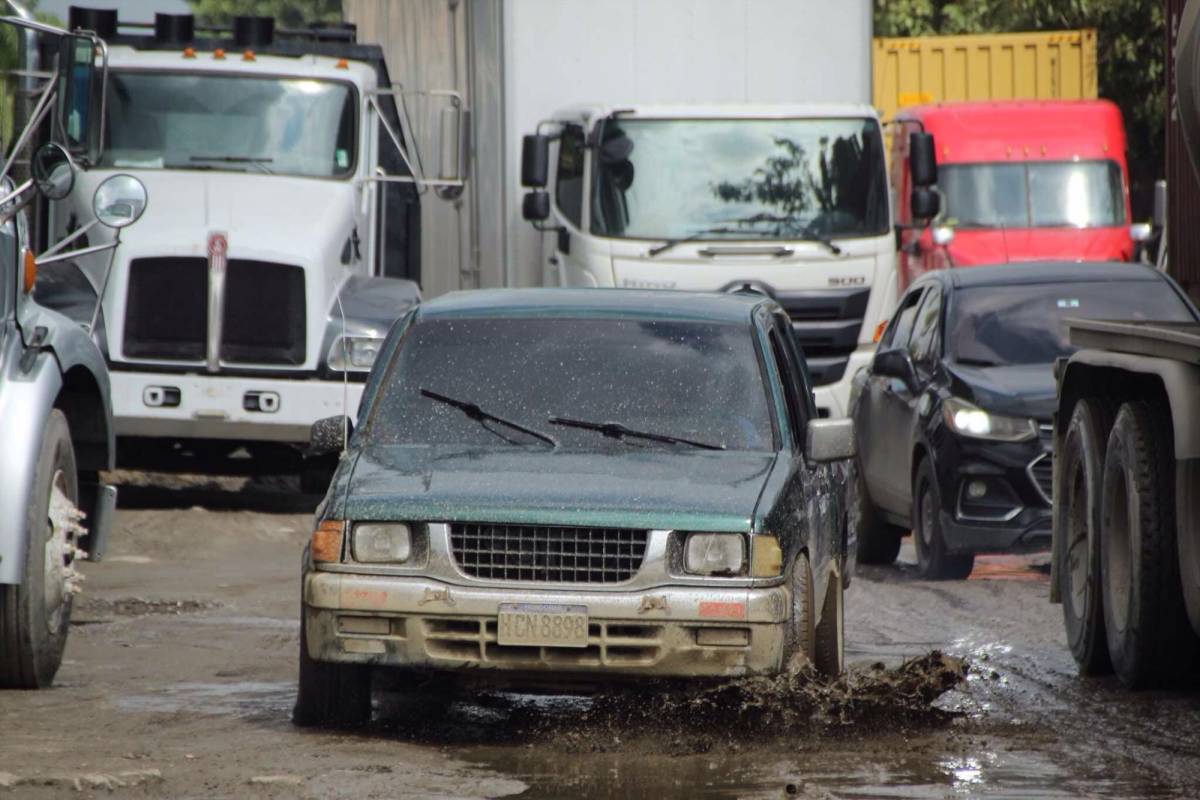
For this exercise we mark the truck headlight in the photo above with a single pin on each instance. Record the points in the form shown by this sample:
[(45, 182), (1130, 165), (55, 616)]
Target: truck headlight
[(381, 542), (969, 420), (354, 353), (714, 553)]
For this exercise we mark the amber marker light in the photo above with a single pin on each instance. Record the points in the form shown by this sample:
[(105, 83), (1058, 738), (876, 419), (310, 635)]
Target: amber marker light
[(766, 557), (188, 52), (342, 64), (879, 329), (219, 54), (29, 273), (248, 55), (327, 540)]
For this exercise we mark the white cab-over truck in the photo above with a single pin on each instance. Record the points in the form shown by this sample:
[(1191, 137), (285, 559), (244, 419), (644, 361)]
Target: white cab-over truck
[(791, 201), (282, 241)]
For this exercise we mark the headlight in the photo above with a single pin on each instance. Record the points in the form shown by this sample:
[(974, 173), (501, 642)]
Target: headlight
[(354, 353), (969, 420), (381, 542), (714, 553)]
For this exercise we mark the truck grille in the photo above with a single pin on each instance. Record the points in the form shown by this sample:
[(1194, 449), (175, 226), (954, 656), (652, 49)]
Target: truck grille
[(547, 554), (263, 318), (827, 324)]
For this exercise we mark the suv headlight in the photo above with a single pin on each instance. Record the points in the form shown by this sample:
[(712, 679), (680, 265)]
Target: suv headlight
[(381, 542), (714, 553), (970, 420), (354, 353)]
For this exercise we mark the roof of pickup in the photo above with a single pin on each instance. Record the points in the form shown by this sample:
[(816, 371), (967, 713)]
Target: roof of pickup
[(664, 304)]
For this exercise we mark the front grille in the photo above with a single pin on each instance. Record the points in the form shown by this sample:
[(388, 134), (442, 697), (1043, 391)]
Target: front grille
[(263, 320), (827, 325), (166, 312), (547, 554), (1041, 471)]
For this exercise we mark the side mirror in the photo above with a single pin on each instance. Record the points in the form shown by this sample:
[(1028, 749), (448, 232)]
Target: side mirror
[(535, 207), (454, 151), (943, 235), (119, 201), (828, 440), (328, 435), (925, 203), (53, 171), (1160, 204), (535, 160), (922, 159), (1140, 232), (895, 363), (77, 93)]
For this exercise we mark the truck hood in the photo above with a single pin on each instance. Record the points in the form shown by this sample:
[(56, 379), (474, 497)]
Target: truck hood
[(1024, 390), (972, 247), (698, 490)]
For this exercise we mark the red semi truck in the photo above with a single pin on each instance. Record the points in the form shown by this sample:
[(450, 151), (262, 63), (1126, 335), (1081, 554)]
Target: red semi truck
[(1019, 181)]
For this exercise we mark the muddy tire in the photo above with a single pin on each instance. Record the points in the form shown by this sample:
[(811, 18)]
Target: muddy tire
[(331, 695), (877, 542), (1149, 640), (799, 635), (35, 615), (933, 562), (1077, 520), (829, 652)]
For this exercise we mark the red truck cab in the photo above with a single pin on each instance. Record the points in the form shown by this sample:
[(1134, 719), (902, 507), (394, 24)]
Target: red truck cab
[(1019, 181)]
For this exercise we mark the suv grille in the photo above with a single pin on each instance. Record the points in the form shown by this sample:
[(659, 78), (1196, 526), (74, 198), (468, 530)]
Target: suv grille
[(547, 554), (827, 324)]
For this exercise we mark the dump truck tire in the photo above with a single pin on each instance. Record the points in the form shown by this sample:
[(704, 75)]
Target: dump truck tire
[(1077, 519)]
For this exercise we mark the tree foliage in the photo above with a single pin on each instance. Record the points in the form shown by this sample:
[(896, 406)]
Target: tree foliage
[(287, 13), (1131, 55)]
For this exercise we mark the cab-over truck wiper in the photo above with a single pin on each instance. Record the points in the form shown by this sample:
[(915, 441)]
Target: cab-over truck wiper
[(476, 413), (616, 430)]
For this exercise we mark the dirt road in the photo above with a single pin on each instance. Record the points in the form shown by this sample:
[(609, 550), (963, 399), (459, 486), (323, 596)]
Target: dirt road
[(180, 676)]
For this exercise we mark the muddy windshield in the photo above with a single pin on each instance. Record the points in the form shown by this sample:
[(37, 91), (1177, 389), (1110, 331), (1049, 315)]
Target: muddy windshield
[(700, 381), (280, 126), (1026, 324), (754, 179), (1082, 194)]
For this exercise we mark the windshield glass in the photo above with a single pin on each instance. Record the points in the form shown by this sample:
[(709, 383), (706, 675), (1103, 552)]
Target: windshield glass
[(999, 325), (1070, 194), (740, 179), (190, 121), (689, 379)]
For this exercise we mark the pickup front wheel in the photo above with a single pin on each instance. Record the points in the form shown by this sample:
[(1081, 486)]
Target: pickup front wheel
[(799, 635), (330, 694)]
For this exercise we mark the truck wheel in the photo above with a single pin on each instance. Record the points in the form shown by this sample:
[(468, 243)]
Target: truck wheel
[(933, 562), (798, 636), (1187, 515), (877, 541), (1149, 640), (36, 614), (829, 651), (1077, 520), (330, 694)]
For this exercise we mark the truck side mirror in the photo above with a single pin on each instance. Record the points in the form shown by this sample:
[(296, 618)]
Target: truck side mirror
[(119, 201), (53, 171), (1160, 204), (78, 95), (535, 207), (535, 161), (454, 150), (925, 203), (922, 159)]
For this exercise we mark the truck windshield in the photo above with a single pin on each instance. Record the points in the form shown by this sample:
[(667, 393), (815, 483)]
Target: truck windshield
[(699, 381), (739, 179), (172, 120), (1026, 323), (1051, 194)]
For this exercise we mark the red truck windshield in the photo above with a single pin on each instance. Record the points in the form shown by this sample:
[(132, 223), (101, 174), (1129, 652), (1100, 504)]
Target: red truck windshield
[(1042, 194)]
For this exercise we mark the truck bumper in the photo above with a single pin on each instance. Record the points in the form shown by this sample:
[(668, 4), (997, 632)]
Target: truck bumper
[(226, 407), (422, 623)]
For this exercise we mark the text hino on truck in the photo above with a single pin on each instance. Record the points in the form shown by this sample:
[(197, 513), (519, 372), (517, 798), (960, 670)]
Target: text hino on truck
[(282, 243)]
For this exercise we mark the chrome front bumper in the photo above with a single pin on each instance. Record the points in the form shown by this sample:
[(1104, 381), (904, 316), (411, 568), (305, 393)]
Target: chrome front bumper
[(669, 631)]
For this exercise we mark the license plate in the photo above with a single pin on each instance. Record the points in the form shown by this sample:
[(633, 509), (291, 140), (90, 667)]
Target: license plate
[(534, 625)]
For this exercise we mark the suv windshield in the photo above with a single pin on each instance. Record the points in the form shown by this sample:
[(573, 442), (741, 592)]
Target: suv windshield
[(1001, 325), (1068, 194), (694, 380), (740, 179), (168, 120)]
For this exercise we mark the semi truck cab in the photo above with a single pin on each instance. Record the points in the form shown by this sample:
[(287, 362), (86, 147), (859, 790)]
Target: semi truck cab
[(789, 201)]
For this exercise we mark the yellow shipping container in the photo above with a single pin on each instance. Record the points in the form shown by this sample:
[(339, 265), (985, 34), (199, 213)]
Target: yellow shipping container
[(1051, 65)]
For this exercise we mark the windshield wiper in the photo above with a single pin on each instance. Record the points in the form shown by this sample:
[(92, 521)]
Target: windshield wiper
[(822, 240), (792, 222), (252, 160), (479, 415), (615, 430), (691, 237)]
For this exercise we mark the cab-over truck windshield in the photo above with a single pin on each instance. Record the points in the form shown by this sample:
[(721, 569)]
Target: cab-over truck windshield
[(735, 179), (277, 125)]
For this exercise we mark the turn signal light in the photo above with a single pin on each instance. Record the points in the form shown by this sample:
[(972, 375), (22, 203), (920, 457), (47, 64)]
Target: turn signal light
[(219, 54), (248, 55), (29, 273), (879, 329), (766, 557), (189, 52), (327, 540), (342, 64)]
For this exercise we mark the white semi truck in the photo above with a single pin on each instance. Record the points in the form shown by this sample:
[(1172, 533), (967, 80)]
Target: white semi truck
[(282, 242)]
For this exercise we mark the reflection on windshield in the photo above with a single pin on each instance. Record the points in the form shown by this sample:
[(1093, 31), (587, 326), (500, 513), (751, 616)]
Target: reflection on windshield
[(740, 179), (698, 381), (189, 121), (998, 325), (1069, 194)]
